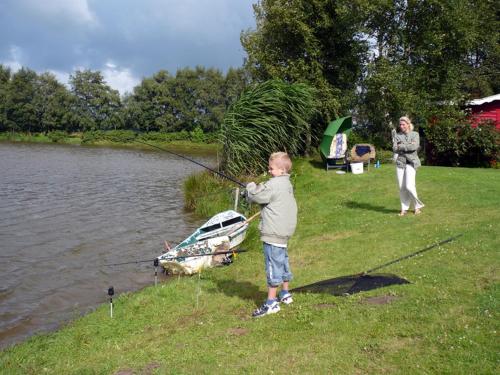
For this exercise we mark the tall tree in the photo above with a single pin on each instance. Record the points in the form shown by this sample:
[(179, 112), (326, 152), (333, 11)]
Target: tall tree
[(193, 98), (20, 109), (55, 106), (312, 41), (236, 81), (4, 88), (46, 89), (97, 104), (428, 58), (150, 107)]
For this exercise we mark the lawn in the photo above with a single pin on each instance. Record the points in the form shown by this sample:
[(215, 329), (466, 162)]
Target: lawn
[(445, 321)]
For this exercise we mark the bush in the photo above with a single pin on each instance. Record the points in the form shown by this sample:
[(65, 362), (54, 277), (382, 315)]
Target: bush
[(197, 135), (91, 136), (128, 136), (119, 136), (57, 136), (216, 193), (165, 137), (459, 144)]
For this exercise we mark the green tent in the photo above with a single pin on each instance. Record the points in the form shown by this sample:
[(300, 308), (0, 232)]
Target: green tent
[(340, 125)]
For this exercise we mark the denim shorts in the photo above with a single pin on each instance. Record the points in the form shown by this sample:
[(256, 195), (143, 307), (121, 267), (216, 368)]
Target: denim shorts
[(277, 267)]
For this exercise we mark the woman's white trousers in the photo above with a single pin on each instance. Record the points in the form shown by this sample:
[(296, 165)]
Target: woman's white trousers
[(407, 190)]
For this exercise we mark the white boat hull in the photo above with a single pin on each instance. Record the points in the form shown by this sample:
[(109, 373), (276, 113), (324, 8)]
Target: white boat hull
[(174, 263), (222, 233)]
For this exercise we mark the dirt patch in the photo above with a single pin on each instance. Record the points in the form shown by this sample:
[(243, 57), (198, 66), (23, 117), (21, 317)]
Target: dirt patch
[(395, 344), (323, 306), (333, 237), (238, 331), (125, 372), (150, 368), (244, 314), (379, 300)]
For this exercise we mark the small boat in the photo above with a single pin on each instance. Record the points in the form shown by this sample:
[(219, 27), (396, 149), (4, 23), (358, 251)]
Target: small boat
[(221, 234)]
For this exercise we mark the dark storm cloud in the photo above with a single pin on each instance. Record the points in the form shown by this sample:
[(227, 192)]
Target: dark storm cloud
[(125, 39)]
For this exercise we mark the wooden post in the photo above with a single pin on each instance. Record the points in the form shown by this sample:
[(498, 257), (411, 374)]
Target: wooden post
[(236, 197)]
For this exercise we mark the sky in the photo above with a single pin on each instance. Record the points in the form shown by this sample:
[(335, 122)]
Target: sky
[(126, 40)]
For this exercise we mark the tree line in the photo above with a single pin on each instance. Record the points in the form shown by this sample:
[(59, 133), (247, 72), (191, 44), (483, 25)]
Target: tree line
[(373, 59), (192, 99), (380, 59)]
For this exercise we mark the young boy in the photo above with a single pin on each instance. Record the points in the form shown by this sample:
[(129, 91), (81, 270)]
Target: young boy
[(278, 222)]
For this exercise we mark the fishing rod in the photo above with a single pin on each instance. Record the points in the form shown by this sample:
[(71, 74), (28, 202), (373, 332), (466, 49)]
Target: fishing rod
[(345, 285), (193, 161), (413, 254), (177, 257)]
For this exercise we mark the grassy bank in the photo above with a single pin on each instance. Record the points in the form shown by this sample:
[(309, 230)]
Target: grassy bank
[(444, 322), (76, 139)]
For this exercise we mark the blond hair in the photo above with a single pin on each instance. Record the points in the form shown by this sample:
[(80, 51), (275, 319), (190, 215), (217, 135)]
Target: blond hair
[(407, 120), (281, 160)]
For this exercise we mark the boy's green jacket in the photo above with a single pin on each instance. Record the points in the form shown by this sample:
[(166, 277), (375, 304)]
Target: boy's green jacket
[(278, 208)]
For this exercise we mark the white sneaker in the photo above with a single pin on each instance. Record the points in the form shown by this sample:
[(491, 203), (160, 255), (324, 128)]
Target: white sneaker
[(286, 298), (266, 309)]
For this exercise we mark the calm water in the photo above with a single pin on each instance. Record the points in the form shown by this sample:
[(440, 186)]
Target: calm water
[(66, 212)]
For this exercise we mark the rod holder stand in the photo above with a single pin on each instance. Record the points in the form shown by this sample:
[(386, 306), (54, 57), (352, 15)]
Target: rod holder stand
[(111, 292)]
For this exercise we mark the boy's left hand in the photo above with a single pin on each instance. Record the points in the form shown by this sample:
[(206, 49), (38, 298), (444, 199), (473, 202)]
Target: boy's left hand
[(251, 186)]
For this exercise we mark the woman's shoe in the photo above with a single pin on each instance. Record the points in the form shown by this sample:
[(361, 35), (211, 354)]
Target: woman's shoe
[(418, 211), (402, 213)]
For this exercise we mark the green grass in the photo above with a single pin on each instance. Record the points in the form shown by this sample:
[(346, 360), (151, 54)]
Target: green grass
[(444, 322)]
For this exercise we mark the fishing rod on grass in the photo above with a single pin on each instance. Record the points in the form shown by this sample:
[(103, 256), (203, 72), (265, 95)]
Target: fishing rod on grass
[(367, 280), (177, 257), (195, 162), (413, 254)]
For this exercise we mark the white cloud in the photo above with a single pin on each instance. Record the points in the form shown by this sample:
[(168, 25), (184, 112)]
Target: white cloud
[(62, 77), (124, 39), (14, 61), (119, 79)]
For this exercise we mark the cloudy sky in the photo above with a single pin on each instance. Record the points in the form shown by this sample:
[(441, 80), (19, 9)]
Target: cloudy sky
[(124, 39)]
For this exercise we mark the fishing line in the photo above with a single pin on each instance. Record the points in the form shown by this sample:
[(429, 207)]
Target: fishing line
[(413, 254), (193, 161), (225, 191)]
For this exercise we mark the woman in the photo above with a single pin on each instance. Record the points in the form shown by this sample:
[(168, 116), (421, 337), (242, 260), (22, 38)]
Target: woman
[(405, 144)]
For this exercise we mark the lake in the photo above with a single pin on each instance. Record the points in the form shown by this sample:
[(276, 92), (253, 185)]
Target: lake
[(67, 213)]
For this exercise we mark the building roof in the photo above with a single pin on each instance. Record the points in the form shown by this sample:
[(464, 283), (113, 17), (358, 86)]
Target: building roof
[(487, 99)]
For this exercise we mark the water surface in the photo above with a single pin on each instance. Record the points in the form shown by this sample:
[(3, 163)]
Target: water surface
[(68, 211)]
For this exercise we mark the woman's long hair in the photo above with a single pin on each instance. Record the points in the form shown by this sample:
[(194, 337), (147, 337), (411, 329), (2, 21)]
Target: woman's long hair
[(407, 120)]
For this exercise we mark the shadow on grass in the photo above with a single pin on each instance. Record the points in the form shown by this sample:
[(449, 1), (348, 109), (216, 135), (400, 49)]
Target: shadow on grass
[(318, 164), (369, 207), (243, 290), (351, 284)]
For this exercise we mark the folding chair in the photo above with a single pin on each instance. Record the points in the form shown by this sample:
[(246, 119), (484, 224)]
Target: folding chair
[(333, 147)]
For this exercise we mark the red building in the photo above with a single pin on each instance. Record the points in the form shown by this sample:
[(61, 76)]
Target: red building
[(485, 109)]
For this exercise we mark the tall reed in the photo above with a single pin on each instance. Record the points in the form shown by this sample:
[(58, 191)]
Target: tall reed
[(272, 116)]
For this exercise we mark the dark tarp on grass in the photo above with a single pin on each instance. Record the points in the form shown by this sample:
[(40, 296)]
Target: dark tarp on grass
[(344, 285)]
